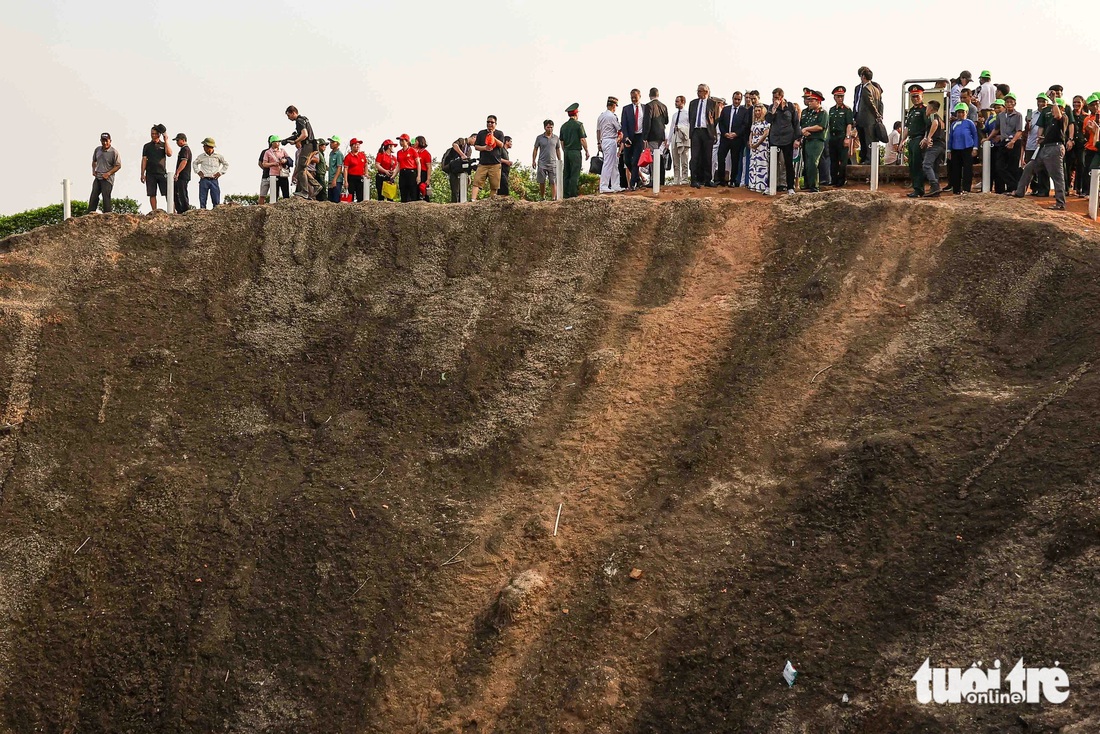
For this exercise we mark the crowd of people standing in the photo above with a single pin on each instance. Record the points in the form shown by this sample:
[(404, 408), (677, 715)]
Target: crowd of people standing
[(704, 143)]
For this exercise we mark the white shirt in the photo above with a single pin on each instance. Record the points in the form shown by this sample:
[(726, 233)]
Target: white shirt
[(986, 94), (208, 165), (678, 120), (892, 149), (638, 118), (607, 127)]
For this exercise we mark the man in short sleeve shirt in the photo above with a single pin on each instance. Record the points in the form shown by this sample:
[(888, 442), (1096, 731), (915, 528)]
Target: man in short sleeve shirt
[(105, 164), (545, 158)]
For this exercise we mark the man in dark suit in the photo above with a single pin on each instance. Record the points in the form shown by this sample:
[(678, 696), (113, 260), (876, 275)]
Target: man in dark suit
[(654, 122), (866, 108), (733, 131), (703, 134), (632, 135)]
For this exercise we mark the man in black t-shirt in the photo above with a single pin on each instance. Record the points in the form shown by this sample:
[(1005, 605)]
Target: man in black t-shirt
[(1053, 124), (306, 143), (153, 165), (488, 166), (183, 174)]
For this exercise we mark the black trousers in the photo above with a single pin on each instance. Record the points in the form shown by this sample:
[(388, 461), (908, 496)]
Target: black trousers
[(632, 154), (734, 148), (355, 187), (1040, 180), (702, 148), (101, 187), (960, 170), (408, 182), (1075, 166), (788, 163), (183, 202), (838, 160), (866, 144), (1007, 168), (378, 180)]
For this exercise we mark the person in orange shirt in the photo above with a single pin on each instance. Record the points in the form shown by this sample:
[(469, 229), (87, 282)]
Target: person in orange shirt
[(385, 164), (425, 165), (1091, 127), (408, 173)]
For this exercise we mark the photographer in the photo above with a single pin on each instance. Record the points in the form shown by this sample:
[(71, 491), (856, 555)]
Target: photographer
[(456, 161), (306, 144), (274, 161)]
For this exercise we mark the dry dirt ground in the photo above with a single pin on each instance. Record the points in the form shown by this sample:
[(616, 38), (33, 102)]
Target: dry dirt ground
[(299, 468)]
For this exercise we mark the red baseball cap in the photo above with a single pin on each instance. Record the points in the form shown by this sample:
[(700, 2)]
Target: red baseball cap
[(404, 136), (387, 141), (355, 141)]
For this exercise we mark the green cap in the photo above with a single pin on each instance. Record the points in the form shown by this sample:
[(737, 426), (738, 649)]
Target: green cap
[(1092, 98), (334, 139), (1010, 95), (1060, 102), (208, 141), (1043, 96), (985, 75), (271, 139), (962, 107), (998, 103)]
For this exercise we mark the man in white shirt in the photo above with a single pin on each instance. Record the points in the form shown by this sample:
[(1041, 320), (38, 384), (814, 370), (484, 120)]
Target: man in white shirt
[(210, 166), (986, 91), (893, 147), (679, 142), (608, 135)]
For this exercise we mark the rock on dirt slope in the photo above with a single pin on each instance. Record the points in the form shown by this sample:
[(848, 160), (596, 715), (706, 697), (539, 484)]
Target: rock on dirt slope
[(298, 468)]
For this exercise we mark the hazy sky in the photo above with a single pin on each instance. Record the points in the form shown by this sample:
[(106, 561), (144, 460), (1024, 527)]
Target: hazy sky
[(73, 70)]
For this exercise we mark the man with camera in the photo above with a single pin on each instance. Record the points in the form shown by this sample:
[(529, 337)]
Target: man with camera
[(456, 161)]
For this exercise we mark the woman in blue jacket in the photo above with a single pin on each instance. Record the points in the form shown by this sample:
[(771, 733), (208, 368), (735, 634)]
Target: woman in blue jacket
[(962, 146)]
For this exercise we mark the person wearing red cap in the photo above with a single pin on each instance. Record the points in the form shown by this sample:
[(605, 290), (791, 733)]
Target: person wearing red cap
[(425, 165), (355, 167), (814, 123), (385, 164), (408, 173)]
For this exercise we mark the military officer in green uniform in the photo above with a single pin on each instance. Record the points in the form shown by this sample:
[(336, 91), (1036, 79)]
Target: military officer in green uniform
[(916, 125), (573, 141), (814, 124), (841, 130)]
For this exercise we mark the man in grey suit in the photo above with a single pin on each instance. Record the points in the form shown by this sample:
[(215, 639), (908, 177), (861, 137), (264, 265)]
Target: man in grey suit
[(654, 122), (701, 116), (868, 101)]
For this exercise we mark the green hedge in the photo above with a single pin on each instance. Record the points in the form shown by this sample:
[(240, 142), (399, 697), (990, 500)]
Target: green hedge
[(54, 214)]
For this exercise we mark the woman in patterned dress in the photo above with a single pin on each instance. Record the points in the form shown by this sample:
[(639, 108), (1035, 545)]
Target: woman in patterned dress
[(758, 151)]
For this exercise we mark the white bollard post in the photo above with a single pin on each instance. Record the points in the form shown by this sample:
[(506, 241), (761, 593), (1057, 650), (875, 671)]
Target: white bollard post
[(559, 178), (170, 197), (272, 187), (987, 167), (874, 166), (655, 172), (1094, 190), (67, 205), (773, 170), (463, 193)]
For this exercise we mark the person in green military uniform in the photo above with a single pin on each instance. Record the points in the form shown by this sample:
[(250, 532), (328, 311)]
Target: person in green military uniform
[(842, 125), (573, 141), (916, 126), (814, 123)]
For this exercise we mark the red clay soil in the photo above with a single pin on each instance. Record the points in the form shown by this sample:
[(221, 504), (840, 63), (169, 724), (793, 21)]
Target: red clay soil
[(597, 466)]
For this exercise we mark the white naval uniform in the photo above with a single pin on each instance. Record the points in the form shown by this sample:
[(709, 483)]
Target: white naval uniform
[(608, 127)]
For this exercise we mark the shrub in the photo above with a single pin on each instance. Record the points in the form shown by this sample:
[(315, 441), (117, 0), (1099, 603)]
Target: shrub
[(241, 199), (54, 214)]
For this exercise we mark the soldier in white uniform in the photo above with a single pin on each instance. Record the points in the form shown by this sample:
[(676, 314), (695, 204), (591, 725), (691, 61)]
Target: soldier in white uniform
[(608, 133)]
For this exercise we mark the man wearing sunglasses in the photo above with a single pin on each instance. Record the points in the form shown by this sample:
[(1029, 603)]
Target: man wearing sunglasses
[(490, 142)]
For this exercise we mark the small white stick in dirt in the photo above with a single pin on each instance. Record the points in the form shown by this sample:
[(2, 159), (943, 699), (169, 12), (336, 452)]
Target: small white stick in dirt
[(557, 519), (353, 517), (452, 558), (650, 634), (226, 677), (376, 476), (359, 589), (819, 373), (82, 545)]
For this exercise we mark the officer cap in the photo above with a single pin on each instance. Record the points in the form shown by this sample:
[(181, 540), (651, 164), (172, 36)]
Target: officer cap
[(573, 107), (915, 88), (813, 94), (839, 90), (613, 100)]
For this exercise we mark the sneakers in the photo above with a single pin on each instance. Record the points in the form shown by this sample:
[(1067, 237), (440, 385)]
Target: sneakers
[(914, 195), (1057, 208), (790, 191), (933, 194)]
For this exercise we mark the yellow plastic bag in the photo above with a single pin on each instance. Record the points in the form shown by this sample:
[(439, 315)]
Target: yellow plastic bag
[(389, 191)]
